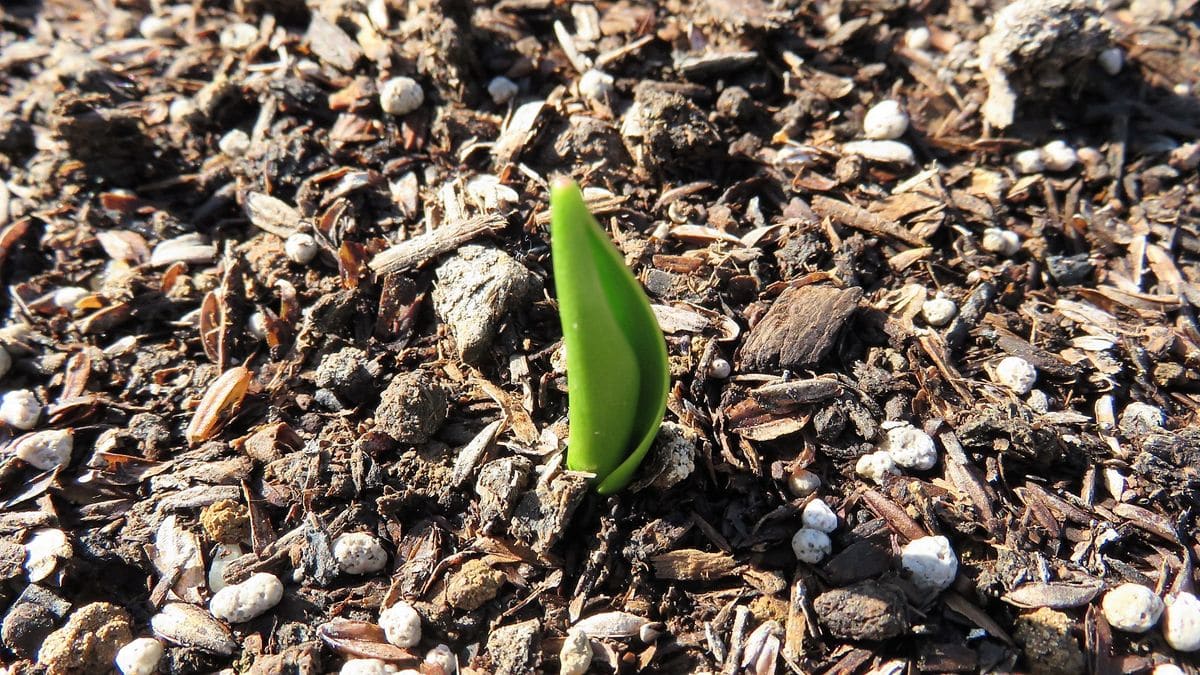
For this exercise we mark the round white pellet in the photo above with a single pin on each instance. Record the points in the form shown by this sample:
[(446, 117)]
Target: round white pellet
[(401, 624), (875, 466), (401, 95), (1029, 161), (20, 409), (1167, 669), (68, 296), (1181, 622), (256, 324), (359, 553), (502, 90), (575, 657), (885, 121), (938, 311), (818, 516), (917, 38), (139, 657), (156, 28), (893, 152), (235, 143), (1058, 156), (181, 109), (248, 600), (596, 84), (910, 447), (442, 657), (238, 36), (1111, 60), (803, 482), (1132, 608), (1017, 374), (719, 368), (46, 450), (931, 562), (811, 546), (300, 248), (366, 667), (1001, 242)]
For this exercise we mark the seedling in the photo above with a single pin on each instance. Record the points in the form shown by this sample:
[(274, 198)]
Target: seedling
[(617, 375)]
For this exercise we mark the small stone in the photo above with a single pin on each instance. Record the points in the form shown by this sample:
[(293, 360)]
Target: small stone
[(811, 546), (909, 447), (1029, 161), (45, 550), (1058, 156), (300, 248), (222, 556), (349, 373), (875, 466), (46, 450), (818, 516), (1132, 608), (256, 325), (541, 516), (1001, 242), (516, 649), (502, 90), (575, 657), (359, 553), (20, 409), (938, 311), (89, 641), (865, 611), (1049, 644), (1038, 401), (719, 368), (803, 482), (1015, 373), (673, 456), (235, 143), (917, 38), (890, 152), (400, 95), (1069, 270), (473, 585), (248, 600), (140, 657), (1141, 417), (1111, 60), (931, 562), (401, 624), (225, 521), (156, 28), (413, 407), (596, 84), (1181, 622), (885, 120)]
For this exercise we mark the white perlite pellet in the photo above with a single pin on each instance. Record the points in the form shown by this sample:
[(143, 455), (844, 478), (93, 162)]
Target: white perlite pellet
[(1016, 374), (575, 657), (1058, 156), (300, 248), (366, 667), (139, 657), (875, 466), (1001, 242), (1138, 415), (400, 95), (20, 409), (68, 296), (401, 624), (931, 562), (596, 84), (1029, 161), (1132, 608), (248, 600), (46, 450), (811, 546), (1181, 622), (818, 516), (909, 447), (235, 143), (892, 152), (502, 90), (938, 311), (359, 553), (1111, 60), (885, 121)]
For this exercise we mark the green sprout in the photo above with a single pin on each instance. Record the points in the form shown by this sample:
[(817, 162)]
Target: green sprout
[(617, 374)]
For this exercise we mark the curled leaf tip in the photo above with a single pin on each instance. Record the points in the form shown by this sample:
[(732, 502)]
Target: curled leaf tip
[(617, 374)]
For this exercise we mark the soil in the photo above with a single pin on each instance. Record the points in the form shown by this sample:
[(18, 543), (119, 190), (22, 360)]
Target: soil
[(270, 313)]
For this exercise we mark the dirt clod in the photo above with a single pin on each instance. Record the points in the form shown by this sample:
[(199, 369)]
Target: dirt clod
[(413, 407), (1048, 641), (88, 642), (473, 585), (865, 611)]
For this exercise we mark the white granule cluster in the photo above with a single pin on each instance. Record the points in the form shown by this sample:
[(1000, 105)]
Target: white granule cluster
[(818, 516), (248, 600), (1016, 374), (885, 121), (359, 553), (401, 624), (400, 95), (1181, 622), (139, 657), (931, 562), (20, 409), (811, 546), (909, 447), (875, 466)]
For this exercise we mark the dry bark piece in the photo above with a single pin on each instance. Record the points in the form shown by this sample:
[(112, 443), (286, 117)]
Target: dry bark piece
[(413, 407), (31, 617), (865, 611), (1054, 594), (799, 329), (364, 640), (501, 483), (423, 248), (692, 565), (189, 626), (542, 515), (476, 289), (221, 399), (331, 44)]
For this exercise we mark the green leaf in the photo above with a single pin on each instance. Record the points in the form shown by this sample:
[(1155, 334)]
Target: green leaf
[(617, 374)]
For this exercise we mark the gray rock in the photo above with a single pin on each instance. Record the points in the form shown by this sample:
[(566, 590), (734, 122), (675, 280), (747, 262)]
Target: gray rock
[(500, 484), (476, 288), (515, 649)]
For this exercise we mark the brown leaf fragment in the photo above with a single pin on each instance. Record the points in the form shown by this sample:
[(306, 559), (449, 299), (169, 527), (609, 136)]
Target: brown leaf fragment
[(1054, 594), (1148, 520), (693, 565), (363, 640), (787, 395), (976, 615), (331, 44), (860, 219), (898, 520), (223, 397), (799, 329), (105, 319)]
